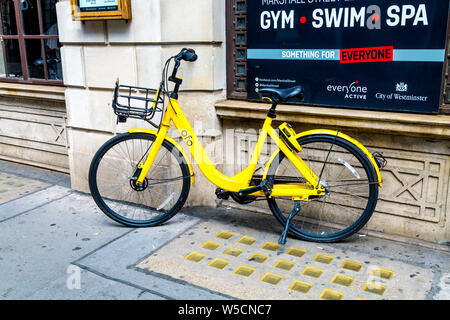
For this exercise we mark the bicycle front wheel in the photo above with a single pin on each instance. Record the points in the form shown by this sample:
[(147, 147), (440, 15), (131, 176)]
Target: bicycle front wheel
[(351, 189), (113, 188)]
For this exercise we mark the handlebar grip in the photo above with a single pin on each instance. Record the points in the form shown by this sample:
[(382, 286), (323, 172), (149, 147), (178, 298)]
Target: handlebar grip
[(189, 55)]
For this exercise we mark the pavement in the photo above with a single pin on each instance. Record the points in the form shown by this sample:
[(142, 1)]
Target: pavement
[(56, 244)]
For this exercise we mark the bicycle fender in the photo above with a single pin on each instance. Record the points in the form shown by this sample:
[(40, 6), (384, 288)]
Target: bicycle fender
[(332, 133), (172, 141)]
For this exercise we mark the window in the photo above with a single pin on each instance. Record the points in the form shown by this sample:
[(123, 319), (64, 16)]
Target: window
[(30, 49)]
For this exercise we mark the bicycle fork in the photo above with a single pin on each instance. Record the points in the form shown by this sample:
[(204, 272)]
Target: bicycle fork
[(143, 168)]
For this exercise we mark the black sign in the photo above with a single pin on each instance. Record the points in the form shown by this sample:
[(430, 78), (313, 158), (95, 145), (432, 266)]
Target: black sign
[(384, 55)]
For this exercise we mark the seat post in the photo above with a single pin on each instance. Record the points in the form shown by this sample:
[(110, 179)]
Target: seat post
[(272, 112)]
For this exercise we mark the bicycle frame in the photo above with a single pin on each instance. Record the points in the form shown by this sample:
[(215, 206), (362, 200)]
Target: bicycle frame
[(242, 180)]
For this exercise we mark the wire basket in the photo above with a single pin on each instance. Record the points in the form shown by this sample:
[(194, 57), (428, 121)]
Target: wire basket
[(138, 103)]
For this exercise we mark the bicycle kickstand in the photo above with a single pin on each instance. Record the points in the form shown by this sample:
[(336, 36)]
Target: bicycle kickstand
[(294, 212)]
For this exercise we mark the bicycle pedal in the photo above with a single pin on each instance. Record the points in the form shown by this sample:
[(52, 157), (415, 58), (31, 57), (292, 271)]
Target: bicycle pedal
[(222, 194)]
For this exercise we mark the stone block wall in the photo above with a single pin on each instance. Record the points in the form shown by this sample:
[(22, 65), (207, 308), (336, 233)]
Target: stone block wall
[(33, 126), (415, 199), (95, 53)]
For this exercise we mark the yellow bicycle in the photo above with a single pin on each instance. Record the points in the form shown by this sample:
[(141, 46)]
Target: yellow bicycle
[(321, 185)]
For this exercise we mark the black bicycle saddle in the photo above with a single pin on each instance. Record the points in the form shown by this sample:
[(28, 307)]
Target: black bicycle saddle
[(282, 95)]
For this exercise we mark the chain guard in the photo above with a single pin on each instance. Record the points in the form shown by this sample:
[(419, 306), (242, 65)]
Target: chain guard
[(242, 199)]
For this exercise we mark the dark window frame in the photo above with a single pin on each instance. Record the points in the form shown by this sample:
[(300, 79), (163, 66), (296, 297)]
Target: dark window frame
[(236, 50), (445, 105), (21, 37)]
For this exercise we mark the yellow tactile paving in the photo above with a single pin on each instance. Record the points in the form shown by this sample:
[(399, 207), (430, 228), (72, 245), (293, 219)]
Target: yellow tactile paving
[(352, 265), (246, 265), (232, 251), (330, 294), (210, 245), (272, 278), (219, 263), (323, 258), (195, 256), (247, 240), (258, 257), (383, 273), (284, 264), (300, 286), (342, 280), (296, 252), (224, 235), (244, 271)]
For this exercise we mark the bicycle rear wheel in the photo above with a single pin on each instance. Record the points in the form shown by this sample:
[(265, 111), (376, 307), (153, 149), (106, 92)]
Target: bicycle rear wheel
[(351, 184), (163, 193)]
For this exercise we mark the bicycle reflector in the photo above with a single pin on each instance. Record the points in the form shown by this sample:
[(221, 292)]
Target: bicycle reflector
[(381, 161), (288, 134)]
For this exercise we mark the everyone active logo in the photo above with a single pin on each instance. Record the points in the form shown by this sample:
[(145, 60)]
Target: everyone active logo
[(353, 91)]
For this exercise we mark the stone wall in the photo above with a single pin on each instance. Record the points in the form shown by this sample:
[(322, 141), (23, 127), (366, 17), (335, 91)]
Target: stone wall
[(414, 201), (415, 198), (33, 126)]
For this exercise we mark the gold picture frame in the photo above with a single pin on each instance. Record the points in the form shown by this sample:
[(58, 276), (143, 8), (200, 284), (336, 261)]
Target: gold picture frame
[(122, 13)]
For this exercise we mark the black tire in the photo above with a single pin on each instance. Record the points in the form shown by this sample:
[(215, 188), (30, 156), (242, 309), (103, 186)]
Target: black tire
[(320, 220), (116, 162)]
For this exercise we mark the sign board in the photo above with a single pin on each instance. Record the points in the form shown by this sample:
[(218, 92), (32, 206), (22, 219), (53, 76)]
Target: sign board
[(101, 9), (98, 5), (377, 54)]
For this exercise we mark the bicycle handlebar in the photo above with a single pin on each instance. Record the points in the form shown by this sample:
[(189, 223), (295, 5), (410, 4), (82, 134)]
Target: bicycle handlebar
[(187, 55)]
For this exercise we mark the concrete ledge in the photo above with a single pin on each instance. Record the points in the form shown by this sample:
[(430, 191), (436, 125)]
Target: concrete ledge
[(55, 93), (433, 126)]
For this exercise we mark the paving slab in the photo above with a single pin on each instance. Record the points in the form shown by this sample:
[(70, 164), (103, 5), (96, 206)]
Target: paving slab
[(32, 201), (104, 289), (13, 186), (38, 246), (118, 259)]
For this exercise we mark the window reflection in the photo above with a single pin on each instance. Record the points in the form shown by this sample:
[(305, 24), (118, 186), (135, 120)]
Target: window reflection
[(30, 17), (2, 65), (49, 22), (34, 59), (53, 56), (12, 57)]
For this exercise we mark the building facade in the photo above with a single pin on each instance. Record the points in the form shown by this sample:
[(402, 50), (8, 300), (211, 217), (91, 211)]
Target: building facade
[(56, 112)]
